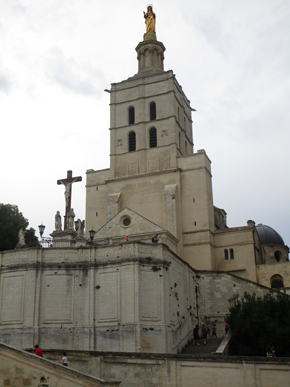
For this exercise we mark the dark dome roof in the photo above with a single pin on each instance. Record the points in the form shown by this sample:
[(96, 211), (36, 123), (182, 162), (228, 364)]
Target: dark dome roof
[(268, 235)]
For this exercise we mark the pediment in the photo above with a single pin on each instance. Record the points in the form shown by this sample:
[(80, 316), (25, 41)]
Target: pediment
[(127, 222)]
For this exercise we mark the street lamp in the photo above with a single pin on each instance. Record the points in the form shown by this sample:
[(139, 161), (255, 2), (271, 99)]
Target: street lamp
[(44, 240), (92, 233), (41, 229)]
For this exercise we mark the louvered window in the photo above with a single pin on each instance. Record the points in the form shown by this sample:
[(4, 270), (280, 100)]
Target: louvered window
[(132, 141), (153, 137), (152, 111), (131, 113)]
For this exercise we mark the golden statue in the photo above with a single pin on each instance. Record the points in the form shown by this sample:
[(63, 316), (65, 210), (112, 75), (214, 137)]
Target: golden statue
[(150, 19)]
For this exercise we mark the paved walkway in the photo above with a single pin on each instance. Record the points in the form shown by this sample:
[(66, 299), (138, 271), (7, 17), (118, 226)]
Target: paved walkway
[(202, 349)]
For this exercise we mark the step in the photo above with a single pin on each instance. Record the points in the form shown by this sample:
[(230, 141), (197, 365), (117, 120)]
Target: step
[(202, 349)]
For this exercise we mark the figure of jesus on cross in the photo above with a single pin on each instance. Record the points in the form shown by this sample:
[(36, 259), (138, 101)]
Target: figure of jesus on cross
[(68, 192)]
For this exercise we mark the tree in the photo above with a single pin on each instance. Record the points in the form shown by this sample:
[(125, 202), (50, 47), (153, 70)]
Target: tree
[(11, 221), (257, 322), (31, 239)]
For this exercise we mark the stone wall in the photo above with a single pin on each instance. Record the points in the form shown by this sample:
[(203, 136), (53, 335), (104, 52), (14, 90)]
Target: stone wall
[(183, 370), (111, 298), (19, 368), (265, 272), (126, 297)]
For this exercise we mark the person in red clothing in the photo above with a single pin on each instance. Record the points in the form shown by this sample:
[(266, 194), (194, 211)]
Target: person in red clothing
[(227, 327), (38, 351)]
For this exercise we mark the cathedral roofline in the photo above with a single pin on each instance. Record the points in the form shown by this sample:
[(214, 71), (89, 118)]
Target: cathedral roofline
[(233, 229)]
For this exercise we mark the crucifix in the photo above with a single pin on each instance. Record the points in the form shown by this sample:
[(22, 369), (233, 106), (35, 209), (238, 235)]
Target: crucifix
[(68, 192)]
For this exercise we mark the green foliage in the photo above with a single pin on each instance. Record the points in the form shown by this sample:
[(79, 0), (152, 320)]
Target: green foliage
[(11, 220), (257, 322), (31, 239)]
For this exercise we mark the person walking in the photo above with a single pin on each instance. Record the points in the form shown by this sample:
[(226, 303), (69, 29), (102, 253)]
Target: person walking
[(63, 359), (155, 239), (214, 331), (196, 335), (38, 351), (208, 329), (204, 333), (227, 327)]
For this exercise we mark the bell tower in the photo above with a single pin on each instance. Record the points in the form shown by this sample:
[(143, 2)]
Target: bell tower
[(151, 121), (153, 170)]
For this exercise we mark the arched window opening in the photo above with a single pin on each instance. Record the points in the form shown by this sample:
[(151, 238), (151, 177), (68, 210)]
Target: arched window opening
[(178, 114), (226, 251), (153, 137), (131, 113), (179, 141), (184, 120), (132, 141), (232, 253), (278, 255), (152, 111), (277, 281)]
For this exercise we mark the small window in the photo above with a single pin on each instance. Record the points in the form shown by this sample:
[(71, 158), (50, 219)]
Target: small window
[(131, 112), (178, 114), (226, 251), (185, 147), (179, 141), (152, 111), (232, 253), (132, 141), (277, 281), (184, 120), (153, 137)]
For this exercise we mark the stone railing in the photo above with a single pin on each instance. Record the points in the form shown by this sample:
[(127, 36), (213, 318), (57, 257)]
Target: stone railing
[(63, 243), (223, 348)]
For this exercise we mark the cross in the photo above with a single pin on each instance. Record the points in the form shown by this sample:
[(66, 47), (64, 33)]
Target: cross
[(68, 192)]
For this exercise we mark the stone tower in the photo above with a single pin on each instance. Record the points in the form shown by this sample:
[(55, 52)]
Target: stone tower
[(153, 170)]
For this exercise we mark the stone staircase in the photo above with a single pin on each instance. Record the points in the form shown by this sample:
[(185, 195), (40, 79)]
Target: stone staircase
[(202, 349)]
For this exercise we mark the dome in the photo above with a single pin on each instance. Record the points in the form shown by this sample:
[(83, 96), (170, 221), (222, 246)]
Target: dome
[(268, 235)]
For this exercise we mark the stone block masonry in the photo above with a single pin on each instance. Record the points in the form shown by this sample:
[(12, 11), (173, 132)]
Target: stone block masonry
[(126, 297)]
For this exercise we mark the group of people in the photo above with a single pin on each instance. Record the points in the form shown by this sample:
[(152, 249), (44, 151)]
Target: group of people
[(206, 332), (63, 358), (270, 351)]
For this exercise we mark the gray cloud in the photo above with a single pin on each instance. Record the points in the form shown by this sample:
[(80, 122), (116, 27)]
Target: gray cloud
[(5, 83), (75, 77)]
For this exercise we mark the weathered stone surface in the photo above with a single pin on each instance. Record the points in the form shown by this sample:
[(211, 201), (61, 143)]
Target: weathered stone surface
[(19, 368), (131, 297), (142, 370)]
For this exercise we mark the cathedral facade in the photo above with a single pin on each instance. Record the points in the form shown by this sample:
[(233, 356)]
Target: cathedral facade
[(122, 291), (154, 173)]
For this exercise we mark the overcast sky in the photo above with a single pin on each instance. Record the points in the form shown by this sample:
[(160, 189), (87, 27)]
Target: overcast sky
[(231, 57)]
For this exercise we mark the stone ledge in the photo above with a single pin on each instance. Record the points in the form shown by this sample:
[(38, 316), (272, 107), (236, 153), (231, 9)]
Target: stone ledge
[(112, 356)]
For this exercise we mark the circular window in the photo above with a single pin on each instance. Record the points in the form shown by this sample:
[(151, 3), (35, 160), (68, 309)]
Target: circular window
[(126, 222)]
